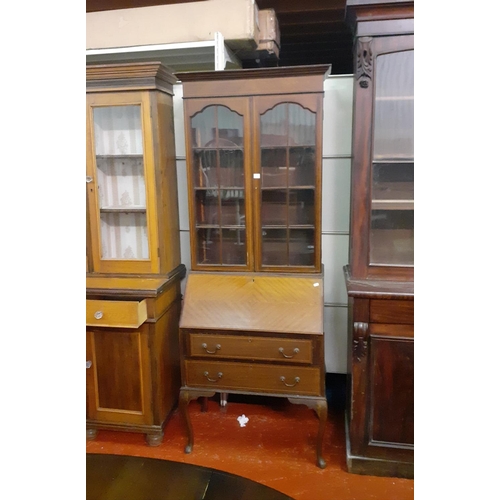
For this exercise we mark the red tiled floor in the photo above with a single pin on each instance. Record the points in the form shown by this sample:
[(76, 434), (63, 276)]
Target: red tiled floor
[(275, 448)]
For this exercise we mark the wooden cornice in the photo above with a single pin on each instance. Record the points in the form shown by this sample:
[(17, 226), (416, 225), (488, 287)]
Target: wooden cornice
[(130, 76), (245, 74)]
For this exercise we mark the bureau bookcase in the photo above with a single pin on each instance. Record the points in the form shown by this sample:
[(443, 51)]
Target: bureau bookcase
[(252, 321)]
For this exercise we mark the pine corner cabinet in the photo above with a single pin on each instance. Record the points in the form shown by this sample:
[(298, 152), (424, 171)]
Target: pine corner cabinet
[(252, 321), (133, 251), (379, 276)]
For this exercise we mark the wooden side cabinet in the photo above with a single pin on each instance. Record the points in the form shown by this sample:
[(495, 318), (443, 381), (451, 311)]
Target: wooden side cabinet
[(379, 277), (133, 250)]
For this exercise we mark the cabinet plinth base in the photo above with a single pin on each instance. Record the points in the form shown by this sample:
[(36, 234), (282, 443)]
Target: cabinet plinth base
[(375, 466), (153, 434)]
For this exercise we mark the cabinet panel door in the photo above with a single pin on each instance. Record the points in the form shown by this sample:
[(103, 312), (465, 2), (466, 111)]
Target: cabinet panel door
[(218, 166), (287, 181), (382, 391), (120, 180), (391, 391), (118, 385)]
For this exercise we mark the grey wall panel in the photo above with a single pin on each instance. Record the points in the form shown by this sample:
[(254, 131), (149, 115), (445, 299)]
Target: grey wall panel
[(337, 122), (185, 255), (335, 256), (336, 195), (335, 321), (180, 145)]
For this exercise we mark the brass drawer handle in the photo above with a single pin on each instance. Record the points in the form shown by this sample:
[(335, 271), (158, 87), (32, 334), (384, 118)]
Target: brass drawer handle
[(98, 315), (217, 348), (297, 380), (295, 351), (219, 376)]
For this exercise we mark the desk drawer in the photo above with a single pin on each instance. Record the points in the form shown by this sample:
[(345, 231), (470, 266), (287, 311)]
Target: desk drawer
[(116, 313), (254, 377), (250, 347)]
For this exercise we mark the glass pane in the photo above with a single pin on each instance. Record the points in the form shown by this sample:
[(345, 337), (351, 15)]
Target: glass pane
[(208, 246), (205, 168), (288, 124), (231, 168), (274, 247), (273, 162), (124, 236), (302, 126), (393, 186), (391, 237), (118, 144), (230, 128), (274, 207), (302, 167), (393, 112), (207, 207), (232, 207), (234, 248), (203, 126), (301, 247), (120, 181), (392, 227), (301, 207)]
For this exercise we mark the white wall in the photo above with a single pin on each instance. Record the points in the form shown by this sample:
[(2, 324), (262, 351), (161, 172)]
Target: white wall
[(337, 130)]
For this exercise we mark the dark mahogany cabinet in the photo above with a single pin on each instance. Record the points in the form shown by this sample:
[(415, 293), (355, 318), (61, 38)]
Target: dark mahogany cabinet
[(379, 276)]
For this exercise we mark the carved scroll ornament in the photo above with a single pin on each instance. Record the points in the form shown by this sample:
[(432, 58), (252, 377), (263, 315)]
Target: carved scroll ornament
[(364, 62), (360, 340)]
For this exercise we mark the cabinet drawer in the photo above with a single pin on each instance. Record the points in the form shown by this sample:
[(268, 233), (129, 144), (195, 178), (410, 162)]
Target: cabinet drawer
[(253, 377), (250, 347), (116, 313), (391, 311)]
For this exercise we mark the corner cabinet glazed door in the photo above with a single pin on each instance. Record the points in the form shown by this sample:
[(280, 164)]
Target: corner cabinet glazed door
[(120, 183), (218, 137), (287, 182), (386, 234)]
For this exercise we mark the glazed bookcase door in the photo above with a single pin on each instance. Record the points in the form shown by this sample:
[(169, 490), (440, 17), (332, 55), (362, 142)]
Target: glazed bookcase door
[(383, 164), (218, 162), (120, 180), (392, 198), (287, 183)]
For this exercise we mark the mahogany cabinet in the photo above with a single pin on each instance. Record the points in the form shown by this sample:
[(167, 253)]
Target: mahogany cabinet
[(252, 320), (133, 251), (379, 276)]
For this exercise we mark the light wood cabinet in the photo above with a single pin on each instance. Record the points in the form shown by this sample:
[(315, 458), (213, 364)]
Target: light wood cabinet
[(133, 252), (252, 321), (379, 277)]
